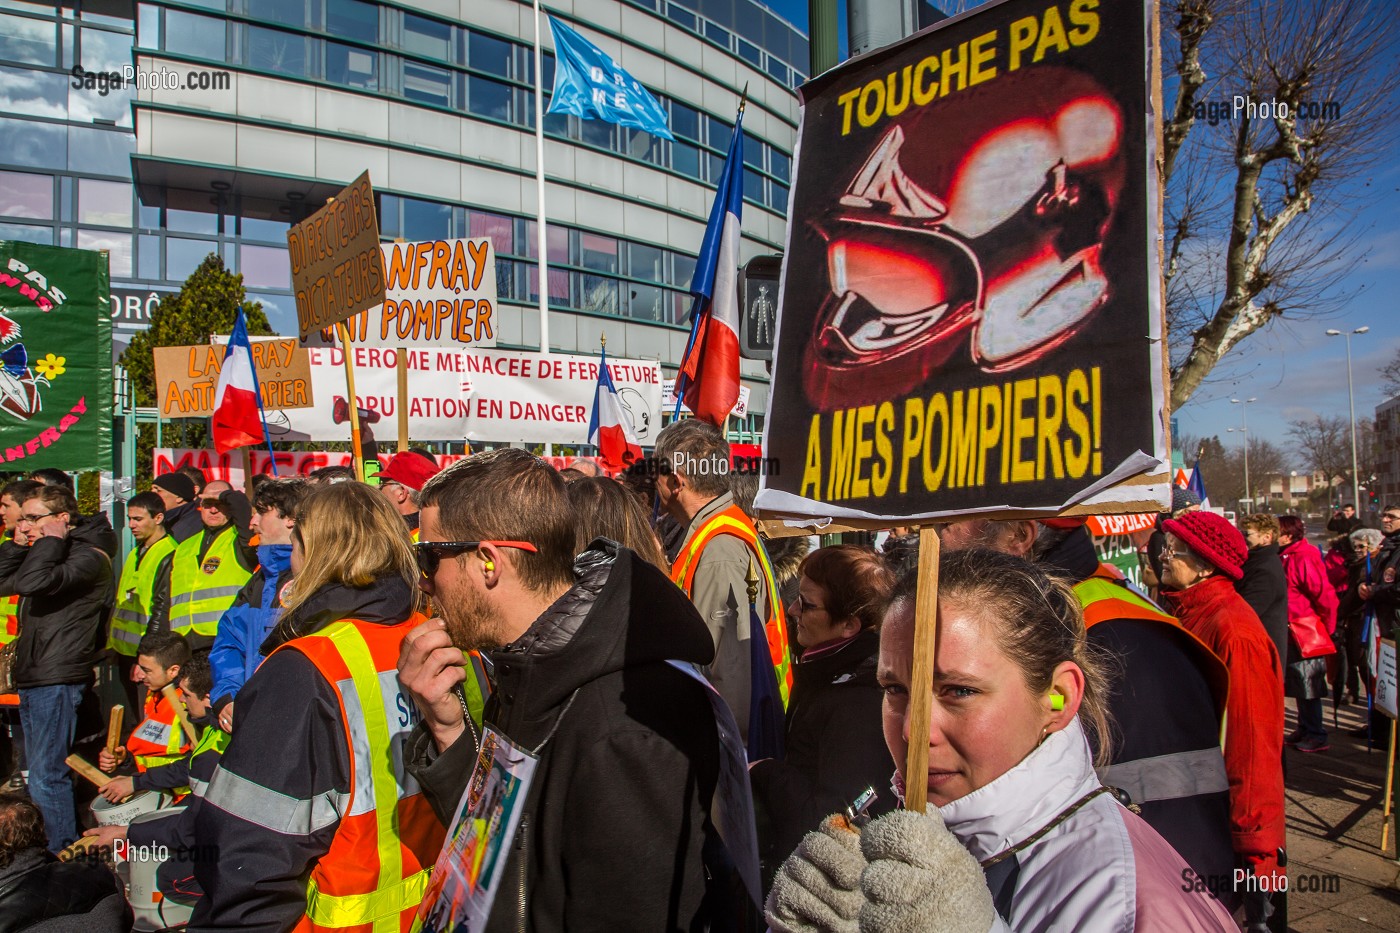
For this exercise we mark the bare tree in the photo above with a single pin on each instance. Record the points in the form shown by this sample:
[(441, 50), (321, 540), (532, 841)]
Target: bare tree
[(1316, 82), (1222, 467)]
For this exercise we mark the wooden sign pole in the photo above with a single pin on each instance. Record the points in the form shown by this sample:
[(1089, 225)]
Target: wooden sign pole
[(1389, 786), (402, 403), (248, 472), (344, 334), (921, 679)]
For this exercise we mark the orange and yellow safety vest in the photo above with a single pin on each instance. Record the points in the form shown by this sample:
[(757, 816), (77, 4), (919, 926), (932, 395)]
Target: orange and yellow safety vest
[(733, 521)]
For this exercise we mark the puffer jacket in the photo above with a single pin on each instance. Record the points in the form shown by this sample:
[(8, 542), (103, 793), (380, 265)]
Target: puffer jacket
[(66, 591), (1309, 593), (1098, 869), (616, 824), (38, 892)]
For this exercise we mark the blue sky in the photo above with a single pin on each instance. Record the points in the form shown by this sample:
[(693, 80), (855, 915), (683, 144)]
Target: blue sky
[(1291, 367)]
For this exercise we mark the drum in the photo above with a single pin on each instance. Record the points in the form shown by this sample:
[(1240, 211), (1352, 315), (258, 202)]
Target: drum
[(121, 814), (152, 910)]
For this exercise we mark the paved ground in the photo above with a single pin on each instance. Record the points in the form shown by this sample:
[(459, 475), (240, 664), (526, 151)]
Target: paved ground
[(1339, 880)]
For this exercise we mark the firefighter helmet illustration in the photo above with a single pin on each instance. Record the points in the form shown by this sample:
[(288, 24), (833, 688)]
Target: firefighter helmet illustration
[(19, 384)]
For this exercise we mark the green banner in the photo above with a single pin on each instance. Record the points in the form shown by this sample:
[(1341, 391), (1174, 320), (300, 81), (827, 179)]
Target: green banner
[(55, 359)]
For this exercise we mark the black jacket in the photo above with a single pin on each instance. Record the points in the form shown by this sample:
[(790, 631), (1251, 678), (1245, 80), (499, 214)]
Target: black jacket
[(1265, 588), (834, 748), (1161, 704), (1385, 598), (290, 740), (183, 521), (82, 896), (66, 595), (616, 817)]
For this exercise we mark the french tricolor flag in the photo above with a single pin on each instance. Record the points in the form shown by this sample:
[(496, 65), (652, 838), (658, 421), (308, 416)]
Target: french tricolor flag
[(708, 381), (609, 429), (237, 420)]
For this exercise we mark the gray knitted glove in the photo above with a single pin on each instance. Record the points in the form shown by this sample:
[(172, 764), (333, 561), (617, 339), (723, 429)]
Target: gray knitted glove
[(818, 888), (920, 879)]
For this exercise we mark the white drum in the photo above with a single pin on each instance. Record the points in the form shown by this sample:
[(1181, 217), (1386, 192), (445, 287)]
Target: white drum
[(121, 814), (152, 910)]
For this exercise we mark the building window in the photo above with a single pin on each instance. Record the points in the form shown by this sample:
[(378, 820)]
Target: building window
[(286, 12), (191, 221), (31, 93), (487, 98), (199, 36), (277, 52), (485, 53), (351, 19), (27, 233), (25, 195), (264, 267), (117, 245), (104, 203), (31, 41), (352, 67), (751, 54), (717, 34), (425, 220), (182, 257), (682, 16), (101, 152), (427, 84), (428, 38)]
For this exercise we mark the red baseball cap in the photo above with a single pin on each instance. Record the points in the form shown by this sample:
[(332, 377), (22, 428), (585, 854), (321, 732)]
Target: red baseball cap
[(411, 469)]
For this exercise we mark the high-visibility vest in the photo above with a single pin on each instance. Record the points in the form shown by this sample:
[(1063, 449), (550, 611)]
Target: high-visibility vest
[(134, 593), (201, 590), (372, 878), (733, 521), (212, 741), (9, 609), (1103, 598), (158, 739)]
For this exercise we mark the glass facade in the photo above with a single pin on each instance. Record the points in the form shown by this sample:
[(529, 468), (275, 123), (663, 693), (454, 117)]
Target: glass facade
[(65, 152)]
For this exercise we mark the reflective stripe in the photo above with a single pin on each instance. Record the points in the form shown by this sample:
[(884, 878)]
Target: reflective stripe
[(212, 592), (1169, 777), (198, 598), (381, 907), (125, 636), (135, 593), (264, 807), (198, 788), (363, 671)]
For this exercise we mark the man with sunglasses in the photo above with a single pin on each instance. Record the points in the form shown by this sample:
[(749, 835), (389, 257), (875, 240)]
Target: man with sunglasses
[(616, 823), (209, 568)]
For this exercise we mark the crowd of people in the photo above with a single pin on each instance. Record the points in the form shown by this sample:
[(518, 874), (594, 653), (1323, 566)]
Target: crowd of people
[(719, 722)]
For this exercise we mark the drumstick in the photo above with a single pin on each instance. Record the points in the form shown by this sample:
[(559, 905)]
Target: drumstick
[(114, 732), (168, 691), (80, 844), (86, 770)]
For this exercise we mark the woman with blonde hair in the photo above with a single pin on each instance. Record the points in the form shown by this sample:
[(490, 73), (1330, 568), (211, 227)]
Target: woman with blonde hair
[(1019, 833), (604, 508), (312, 784)]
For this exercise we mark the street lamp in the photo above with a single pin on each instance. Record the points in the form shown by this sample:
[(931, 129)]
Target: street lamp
[(1351, 400), (1244, 432)]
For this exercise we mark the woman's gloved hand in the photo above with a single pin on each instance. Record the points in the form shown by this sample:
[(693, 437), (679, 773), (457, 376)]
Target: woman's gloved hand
[(818, 887), (920, 879)]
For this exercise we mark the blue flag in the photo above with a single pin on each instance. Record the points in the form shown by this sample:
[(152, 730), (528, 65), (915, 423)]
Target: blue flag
[(1197, 484), (589, 84)]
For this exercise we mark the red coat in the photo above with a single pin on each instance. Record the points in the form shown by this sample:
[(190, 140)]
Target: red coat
[(1309, 592), (1215, 613)]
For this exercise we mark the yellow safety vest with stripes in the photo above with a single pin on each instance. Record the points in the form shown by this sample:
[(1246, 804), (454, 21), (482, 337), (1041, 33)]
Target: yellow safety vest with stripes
[(134, 594), (212, 740), (201, 590), (9, 609), (733, 521)]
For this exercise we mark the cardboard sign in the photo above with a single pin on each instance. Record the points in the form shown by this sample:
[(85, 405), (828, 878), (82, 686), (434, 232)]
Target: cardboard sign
[(1386, 680), (439, 293), (186, 377), (337, 268), (970, 318), (668, 400)]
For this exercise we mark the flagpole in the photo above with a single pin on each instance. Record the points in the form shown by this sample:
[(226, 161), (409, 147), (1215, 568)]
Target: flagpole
[(539, 186), (355, 452)]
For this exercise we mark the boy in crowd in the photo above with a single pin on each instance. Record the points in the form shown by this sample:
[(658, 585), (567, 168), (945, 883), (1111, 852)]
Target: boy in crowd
[(157, 739), (175, 878)]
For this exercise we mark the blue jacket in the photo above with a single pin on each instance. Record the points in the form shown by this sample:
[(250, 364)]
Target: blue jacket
[(247, 623)]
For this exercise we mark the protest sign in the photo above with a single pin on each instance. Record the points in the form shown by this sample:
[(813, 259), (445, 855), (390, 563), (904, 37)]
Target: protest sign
[(438, 293), (337, 268), (186, 377), (229, 467), (55, 358), (481, 394), (1386, 679), (970, 318), (668, 400)]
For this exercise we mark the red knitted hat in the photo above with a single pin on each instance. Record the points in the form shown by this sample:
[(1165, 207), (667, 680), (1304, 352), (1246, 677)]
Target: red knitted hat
[(1213, 538)]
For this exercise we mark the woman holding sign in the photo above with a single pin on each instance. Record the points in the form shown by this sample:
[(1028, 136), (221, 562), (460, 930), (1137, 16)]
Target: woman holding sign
[(1020, 834)]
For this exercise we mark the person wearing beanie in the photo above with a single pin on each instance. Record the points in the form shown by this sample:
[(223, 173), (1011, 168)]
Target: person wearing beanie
[(402, 480), (177, 491), (1203, 558)]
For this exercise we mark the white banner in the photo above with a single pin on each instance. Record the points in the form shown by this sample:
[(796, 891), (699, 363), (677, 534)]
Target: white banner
[(519, 396), (438, 293), (494, 395), (668, 399)]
